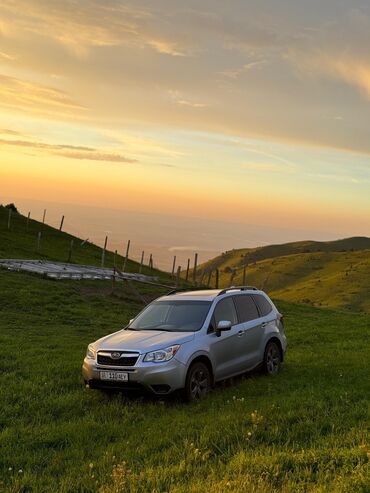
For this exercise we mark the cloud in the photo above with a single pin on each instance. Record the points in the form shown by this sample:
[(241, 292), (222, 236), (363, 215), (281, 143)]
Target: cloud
[(235, 73), (178, 98), (337, 178), (98, 156), (284, 68), (6, 57), (42, 145), (166, 47), (28, 96), (269, 167), (7, 131), (80, 26), (71, 151), (354, 72)]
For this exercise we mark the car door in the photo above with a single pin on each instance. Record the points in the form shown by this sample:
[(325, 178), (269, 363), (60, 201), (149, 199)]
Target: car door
[(251, 325), (226, 351)]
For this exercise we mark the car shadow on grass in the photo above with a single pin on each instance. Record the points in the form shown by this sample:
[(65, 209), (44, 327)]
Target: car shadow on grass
[(174, 398)]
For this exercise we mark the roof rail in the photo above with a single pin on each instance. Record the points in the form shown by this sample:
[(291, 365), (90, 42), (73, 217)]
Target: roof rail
[(240, 288), (181, 290)]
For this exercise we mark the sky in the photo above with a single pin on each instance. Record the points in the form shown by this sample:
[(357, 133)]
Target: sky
[(252, 113)]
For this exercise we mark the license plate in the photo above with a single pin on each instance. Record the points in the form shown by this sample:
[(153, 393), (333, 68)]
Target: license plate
[(118, 376)]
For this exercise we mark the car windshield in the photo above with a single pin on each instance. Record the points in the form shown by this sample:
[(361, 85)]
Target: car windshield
[(172, 316)]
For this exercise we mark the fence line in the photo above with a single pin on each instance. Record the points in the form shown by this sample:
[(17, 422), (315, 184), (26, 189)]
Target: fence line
[(176, 269)]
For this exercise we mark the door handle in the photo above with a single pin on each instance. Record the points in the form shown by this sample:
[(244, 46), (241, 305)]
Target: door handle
[(264, 325), (240, 333)]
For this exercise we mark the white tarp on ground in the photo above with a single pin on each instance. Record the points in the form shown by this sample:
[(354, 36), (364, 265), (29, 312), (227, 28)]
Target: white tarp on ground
[(61, 270)]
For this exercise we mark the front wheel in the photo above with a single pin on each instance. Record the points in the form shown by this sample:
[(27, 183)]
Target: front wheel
[(272, 359), (198, 382)]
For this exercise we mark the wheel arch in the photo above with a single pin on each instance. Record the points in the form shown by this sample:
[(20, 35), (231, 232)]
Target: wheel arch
[(202, 358), (277, 341)]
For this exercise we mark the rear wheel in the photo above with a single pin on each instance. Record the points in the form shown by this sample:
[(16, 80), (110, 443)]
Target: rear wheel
[(198, 382), (272, 359)]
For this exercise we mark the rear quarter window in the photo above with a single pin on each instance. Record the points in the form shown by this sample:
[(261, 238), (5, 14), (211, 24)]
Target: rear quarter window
[(263, 304)]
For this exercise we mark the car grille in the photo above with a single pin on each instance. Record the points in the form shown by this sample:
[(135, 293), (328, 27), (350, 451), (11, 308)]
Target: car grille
[(124, 360)]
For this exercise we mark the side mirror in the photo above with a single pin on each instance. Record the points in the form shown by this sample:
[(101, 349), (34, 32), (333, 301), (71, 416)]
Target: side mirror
[(223, 325)]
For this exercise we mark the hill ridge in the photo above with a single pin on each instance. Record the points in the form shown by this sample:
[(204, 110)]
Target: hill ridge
[(333, 274)]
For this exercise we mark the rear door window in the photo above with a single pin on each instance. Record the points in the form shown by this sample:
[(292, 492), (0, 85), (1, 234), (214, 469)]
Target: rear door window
[(263, 304), (246, 308)]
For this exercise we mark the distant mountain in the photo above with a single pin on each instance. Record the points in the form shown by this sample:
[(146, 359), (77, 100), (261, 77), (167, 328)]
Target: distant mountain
[(332, 274)]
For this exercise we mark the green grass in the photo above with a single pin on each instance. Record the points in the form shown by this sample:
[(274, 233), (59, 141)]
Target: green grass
[(21, 242), (327, 278), (305, 430)]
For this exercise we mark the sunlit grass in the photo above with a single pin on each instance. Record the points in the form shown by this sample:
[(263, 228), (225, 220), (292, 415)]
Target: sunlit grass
[(303, 430)]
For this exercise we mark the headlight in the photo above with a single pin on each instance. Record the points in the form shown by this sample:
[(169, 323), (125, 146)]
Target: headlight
[(162, 354), (90, 353)]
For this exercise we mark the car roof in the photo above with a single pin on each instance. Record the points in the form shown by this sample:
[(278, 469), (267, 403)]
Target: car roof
[(209, 294)]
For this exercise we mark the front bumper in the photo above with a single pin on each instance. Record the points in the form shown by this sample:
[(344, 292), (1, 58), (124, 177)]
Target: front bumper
[(159, 378)]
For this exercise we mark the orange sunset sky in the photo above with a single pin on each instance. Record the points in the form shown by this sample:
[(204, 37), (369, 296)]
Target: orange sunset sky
[(254, 112)]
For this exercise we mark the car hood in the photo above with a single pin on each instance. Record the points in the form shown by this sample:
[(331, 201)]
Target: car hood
[(142, 340)]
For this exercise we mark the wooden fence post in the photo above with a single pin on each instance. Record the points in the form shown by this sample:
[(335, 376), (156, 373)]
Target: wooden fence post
[(38, 243), (209, 278), (217, 278), (43, 217), (202, 278), (173, 266), (70, 251), (61, 224), (151, 261), (187, 271), (178, 276), (114, 276), (103, 252), (195, 269), (244, 274), (126, 256), (28, 220), (141, 262), (9, 218), (115, 260), (232, 277)]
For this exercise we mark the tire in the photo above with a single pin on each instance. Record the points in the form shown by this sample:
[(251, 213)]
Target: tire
[(198, 382), (272, 359)]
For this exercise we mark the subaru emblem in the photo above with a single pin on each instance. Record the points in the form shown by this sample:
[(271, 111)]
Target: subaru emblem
[(115, 355)]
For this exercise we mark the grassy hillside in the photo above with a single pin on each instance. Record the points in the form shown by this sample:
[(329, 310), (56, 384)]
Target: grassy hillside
[(303, 431), (20, 242), (329, 278), (239, 257)]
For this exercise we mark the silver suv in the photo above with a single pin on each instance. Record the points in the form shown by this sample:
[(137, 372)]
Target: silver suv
[(189, 340)]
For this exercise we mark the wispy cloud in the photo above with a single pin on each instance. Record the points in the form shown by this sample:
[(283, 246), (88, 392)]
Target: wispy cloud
[(80, 26), (337, 178), (8, 131), (179, 99), (71, 151), (269, 167), (28, 96), (6, 57), (235, 73), (166, 47)]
